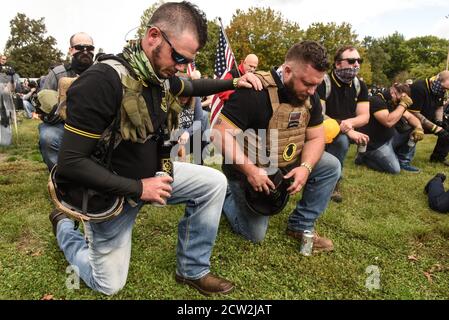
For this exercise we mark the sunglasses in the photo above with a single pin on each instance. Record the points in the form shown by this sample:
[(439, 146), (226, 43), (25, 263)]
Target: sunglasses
[(84, 47), (176, 56), (353, 60)]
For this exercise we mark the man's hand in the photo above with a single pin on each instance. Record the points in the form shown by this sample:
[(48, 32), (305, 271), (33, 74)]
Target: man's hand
[(300, 176), (156, 189), (249, 80), (418, 134), (405, 101), (346, 126), (358, 137), (260, 181)]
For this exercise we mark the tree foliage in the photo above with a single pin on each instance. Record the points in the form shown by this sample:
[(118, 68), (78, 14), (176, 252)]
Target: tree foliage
[(147, 14), (264, 32), (29, 50), (332, 36)]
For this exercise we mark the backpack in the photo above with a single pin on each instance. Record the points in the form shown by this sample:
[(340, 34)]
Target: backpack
[(327, 81)]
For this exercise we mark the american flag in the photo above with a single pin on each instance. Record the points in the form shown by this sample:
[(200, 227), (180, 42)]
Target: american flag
[(190, 68), (224, 61)]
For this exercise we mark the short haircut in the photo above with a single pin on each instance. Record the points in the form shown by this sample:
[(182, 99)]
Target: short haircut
[(73, 37), (175, 17), (339, 53), (402, 88), (310, 52)]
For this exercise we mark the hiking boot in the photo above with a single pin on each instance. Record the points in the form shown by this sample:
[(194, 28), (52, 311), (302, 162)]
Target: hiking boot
[(208, 285), (55, 217), (320, 244), (336, 195), (359, 159), (409, 168), (440, 176)]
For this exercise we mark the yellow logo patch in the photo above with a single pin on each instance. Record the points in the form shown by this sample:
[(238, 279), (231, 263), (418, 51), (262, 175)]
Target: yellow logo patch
[(290, 152)]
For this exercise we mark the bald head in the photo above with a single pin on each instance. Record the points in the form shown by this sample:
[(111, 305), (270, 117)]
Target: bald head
[(250, 63), (443, 76), (81, 38)]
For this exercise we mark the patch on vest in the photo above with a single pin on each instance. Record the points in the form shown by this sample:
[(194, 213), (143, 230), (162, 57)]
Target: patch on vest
[(167, 165), (289, 152), (293, 121)]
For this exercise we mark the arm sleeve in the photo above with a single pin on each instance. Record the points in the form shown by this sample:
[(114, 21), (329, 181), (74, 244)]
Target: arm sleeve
[(316, 113), (198, 88), (363, 95), (74, 163), (51, 82)]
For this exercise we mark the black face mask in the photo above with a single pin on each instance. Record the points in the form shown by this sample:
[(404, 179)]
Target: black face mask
[(81, 61)]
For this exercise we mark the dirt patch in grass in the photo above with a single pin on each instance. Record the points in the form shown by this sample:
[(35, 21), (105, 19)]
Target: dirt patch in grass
[(28, 244)]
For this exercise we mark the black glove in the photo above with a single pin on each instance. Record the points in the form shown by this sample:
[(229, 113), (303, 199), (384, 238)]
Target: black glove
[(9, 70), (443, 134)]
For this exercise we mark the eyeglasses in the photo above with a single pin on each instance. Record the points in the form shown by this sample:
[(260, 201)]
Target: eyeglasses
[(84, 47), (353, 60), (176, 56)]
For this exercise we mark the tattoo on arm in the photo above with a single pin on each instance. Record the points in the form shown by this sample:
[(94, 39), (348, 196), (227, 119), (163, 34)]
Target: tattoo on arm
[(426, 123)]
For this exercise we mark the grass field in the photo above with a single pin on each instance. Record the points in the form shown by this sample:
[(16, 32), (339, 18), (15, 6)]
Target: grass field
[(383, 225)]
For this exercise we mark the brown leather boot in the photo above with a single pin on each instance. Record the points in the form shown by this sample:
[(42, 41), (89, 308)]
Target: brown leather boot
[(55, 217), (336, 195), (208, 285), (320, 244)]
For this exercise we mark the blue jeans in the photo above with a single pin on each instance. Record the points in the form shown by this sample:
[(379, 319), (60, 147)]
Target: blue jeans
[(50, 137), (404, 153), (29, 109), (339, 147), (315, 198), (382, 159), (103, 263)]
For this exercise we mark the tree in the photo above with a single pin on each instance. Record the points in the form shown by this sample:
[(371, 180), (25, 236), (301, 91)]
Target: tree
[(28, 49), (378, 59), (145, 18), (205, 59), (395, 46), (263, 32), (332, 36)]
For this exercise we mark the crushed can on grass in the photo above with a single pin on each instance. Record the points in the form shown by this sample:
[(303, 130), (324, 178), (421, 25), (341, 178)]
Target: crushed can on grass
[(307, 243)]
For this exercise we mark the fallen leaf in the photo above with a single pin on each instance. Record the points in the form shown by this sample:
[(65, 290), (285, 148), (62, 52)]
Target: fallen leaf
[(412, 258), (428, 276)]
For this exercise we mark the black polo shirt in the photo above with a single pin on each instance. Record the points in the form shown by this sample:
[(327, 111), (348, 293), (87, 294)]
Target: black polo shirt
[(251, 109), (342, 101), (377, 132), (424, 101)]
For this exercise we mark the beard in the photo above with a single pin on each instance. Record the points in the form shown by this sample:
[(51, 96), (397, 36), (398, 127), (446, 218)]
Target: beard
[(292, 96), (162, 73), (81, 61)]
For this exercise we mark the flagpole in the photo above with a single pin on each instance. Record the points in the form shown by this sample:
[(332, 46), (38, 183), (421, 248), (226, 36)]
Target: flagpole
[(229, 44)]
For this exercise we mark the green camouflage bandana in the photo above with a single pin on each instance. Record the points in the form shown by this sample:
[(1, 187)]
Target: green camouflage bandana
[(136, 57)]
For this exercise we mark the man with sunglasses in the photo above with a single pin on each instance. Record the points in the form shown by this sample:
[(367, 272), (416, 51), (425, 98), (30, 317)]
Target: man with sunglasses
[(140, 85), (345, 99), (52, 127)]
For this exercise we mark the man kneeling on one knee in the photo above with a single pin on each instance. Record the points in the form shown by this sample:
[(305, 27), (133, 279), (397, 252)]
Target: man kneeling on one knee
[(287, 115)]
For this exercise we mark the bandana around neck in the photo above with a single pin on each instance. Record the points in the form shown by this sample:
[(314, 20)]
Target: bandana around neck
[(346, 75), (437, 88), (136, 57)]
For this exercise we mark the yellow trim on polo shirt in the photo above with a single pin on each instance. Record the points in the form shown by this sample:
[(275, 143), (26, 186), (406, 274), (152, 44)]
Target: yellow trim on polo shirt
[(182, 88), (81, 132), (335, 80)]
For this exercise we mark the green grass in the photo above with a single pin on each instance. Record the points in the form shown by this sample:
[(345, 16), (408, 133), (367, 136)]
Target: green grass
[(382, 221)]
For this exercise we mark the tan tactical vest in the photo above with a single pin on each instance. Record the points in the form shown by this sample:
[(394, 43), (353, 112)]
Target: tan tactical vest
[(287, 127)]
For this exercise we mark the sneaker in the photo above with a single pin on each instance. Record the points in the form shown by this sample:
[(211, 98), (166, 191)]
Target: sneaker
[(55, 217), (409, 168), (440, 176), (320, 244)]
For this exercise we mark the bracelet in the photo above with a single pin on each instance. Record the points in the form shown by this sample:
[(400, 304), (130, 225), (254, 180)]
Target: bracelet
[(235, 81), (307, 166), (434, 128)]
